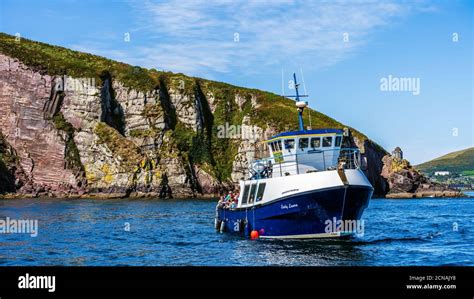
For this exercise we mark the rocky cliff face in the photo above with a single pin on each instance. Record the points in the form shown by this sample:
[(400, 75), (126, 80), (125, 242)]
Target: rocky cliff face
[(93, 139), (67, 137), (39, 146), (372, 155), (12, 176)]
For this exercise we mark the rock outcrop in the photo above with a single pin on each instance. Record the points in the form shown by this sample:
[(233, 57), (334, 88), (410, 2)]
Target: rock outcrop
[(371, 156), (404, 181)]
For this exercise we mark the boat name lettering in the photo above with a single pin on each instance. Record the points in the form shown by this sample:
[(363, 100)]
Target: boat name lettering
[(288, 206)]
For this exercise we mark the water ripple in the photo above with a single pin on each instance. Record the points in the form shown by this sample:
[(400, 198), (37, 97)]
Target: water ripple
[(180, 232)]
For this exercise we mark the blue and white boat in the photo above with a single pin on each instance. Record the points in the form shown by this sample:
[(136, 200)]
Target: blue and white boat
[(310, 186)]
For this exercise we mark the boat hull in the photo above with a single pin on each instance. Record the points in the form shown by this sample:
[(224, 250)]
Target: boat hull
[(312, 214)]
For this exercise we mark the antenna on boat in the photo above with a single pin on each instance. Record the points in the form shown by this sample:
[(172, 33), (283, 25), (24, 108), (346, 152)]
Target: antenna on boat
[(299, 104), (304, 86), (302, 78), (309, 115)]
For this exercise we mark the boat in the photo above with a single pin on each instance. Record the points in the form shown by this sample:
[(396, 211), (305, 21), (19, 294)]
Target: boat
[(310, 186)]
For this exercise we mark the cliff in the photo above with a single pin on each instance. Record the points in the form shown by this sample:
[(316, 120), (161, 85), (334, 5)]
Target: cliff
[(75, 124)]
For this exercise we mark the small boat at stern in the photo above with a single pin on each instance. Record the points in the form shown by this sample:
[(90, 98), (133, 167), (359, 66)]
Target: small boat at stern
[(310, 186)]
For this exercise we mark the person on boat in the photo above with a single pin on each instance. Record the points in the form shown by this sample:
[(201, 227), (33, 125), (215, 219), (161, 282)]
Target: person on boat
[(227, 200), (220, 203)]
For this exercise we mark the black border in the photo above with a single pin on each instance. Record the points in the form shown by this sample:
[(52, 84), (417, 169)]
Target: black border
[(242, 282)]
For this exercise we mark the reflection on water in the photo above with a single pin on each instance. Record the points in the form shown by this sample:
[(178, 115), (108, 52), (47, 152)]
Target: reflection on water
[(180, 232), (317, 253)]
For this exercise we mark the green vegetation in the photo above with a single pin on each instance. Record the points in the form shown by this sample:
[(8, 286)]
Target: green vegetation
[(56, 60), (152, 111), (119, 145), (398, 165), (460, 165), (6, 156), (142, 133), (456, 162), (184, 137), (467, 172)]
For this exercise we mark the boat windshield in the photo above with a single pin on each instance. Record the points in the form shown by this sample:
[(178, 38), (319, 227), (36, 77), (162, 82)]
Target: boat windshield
[(314, 159)]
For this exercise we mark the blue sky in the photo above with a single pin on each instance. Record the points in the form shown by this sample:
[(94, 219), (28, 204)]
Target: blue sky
[(343, 48)]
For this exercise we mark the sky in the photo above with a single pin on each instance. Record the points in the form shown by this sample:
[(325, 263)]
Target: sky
[(350, 55)]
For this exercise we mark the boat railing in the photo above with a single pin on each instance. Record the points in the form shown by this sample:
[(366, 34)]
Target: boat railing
[(299, 163)]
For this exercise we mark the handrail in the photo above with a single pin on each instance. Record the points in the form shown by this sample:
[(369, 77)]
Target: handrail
[(313, 151), (347, 158)]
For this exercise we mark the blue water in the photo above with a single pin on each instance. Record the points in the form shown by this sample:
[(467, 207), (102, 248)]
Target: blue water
[(181, 232)]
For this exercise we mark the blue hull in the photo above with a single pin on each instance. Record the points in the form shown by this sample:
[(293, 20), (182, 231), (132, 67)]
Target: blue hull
[(301, 215)]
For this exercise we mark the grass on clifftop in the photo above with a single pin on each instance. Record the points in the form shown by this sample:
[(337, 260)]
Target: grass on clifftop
[(56, 60)]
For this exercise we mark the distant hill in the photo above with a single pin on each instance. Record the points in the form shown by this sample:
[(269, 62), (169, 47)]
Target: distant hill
[(460, 162)]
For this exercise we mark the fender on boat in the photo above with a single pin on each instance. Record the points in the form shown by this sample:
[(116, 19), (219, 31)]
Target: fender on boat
[(222, 228)]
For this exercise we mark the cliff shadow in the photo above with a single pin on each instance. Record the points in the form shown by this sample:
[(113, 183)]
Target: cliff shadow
[(112, 112), (205, 117), (374, 154), (53, 105), (165, 101)]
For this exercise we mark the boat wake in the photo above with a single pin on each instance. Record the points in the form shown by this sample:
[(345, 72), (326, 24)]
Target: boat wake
[(422, 238), (355, 241)]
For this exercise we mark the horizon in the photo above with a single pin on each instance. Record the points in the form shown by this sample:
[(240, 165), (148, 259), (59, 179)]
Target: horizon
[(363, 58)]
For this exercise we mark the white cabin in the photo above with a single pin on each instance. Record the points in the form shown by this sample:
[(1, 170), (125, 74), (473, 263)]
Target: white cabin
[(304, 151)]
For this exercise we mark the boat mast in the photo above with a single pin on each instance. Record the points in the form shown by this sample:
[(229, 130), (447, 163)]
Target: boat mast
[(299, 104), (300, 109)]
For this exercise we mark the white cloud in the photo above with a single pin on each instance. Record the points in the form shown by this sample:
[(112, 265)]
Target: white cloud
[(197, 36)]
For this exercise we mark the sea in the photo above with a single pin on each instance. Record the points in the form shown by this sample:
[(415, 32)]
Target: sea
[(180, 232)]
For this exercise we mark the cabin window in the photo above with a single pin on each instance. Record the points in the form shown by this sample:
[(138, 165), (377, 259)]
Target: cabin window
[(252, 193), (261, 190), (245, 194), (315, 142), (338, 141), (272, 146), (289, 144), (303, 143), (327, 141), (278, 145)]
